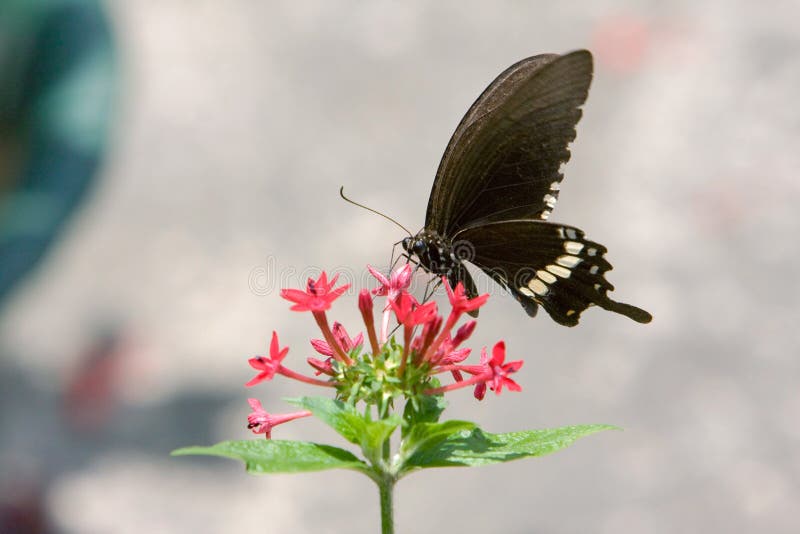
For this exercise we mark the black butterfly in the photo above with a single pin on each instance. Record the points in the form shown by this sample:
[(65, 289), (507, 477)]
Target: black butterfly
[(497, 183)]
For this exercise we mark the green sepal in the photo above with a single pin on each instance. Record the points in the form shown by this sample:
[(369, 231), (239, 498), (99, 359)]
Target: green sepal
[(265, 456)]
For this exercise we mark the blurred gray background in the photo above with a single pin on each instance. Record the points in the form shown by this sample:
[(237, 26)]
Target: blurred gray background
[(239, 120)]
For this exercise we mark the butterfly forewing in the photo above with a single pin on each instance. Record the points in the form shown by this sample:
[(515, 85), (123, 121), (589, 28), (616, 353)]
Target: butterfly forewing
[(546, 264), (504, 159)]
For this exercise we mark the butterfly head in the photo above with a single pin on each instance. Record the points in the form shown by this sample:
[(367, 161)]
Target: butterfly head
[(415, 245)]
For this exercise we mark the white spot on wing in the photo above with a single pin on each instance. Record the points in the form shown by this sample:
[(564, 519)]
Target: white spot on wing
[(571, 233), (594, 269), (538, 287), (573, 247), (560, 233), (550, 200), (545, 276), (568, 261), (525, 291), (559, 271), (555, 186), (591, 252)]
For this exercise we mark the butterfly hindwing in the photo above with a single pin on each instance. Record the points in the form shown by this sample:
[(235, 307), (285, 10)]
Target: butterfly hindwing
[(503, 161), (546, 264)]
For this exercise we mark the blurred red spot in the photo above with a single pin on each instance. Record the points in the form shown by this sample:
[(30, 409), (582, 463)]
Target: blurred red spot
[(90, 394), (620, 42)]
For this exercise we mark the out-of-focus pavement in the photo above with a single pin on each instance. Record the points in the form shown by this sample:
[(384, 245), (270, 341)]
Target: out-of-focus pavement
[(239, 122)]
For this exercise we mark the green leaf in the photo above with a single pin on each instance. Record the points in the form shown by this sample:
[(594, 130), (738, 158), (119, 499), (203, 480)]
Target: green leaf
[(476, 447), (377, 432), (424, 437), (341, 417), (353, 426), (424, 409), (280, 456)]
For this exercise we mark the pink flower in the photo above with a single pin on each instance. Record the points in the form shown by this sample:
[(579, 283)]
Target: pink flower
[(268, 366), (365, 302), (391, 288), (317, 297), (491, 372), (365, 307), (447, 356), (410, 312), (261, 422), (399, 280), (463, 333), (322, 347), (454, 357), (340, 335), (496, 372), (346, 344), (320, 366), (271, 366), (460, 302), (425, 338)]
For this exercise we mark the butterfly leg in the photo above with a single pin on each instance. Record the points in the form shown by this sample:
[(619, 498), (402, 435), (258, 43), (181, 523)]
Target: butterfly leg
[(392, 261), (405, 255), (429, 291)]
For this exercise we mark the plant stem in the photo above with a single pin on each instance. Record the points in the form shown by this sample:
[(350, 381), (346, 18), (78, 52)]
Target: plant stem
[(386, 487), (386, 480)]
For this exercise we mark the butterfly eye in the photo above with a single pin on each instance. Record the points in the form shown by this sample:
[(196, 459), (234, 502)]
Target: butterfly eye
[(419, 246), (407, 244)]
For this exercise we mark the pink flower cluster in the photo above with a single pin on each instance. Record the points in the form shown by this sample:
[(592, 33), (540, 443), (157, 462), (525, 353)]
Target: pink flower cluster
[(427, 341)]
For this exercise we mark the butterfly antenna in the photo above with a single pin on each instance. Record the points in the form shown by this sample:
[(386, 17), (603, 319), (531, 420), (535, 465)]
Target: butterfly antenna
[(341, 193)]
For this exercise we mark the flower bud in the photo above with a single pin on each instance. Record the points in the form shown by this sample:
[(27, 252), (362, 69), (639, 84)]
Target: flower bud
[(365, 302)]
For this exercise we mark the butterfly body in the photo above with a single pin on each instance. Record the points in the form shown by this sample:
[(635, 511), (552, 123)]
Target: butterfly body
[(435, 253), (497, 184)]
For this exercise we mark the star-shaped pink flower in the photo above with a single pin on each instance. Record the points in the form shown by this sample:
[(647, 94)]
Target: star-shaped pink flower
[(317, 297), (459, 300), (411, 313), (496, 372), (268, 366), (391, 288), (399, 280)]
